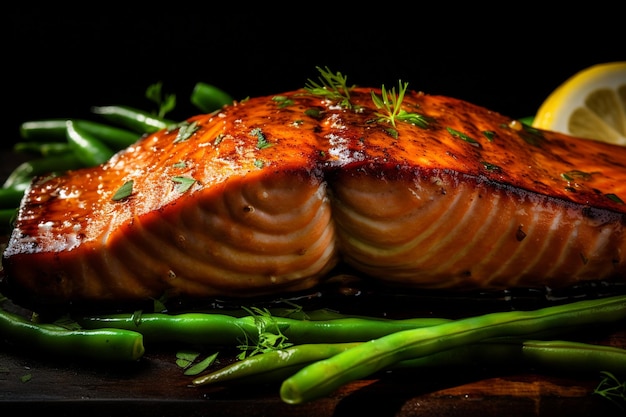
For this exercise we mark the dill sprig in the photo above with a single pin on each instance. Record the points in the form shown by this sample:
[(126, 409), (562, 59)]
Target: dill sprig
[(269, 338), (331, 86), (612, 389), (390, 104)]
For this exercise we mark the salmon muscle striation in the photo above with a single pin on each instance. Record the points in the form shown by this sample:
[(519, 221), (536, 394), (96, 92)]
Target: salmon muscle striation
[(268, 196)]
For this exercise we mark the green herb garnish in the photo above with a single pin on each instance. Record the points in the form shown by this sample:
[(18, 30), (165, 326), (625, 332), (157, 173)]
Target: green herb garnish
[(270, 337), (572, 175), (614, 198), (201, 366), (331, 86), (489, 134), (124, 191), (491, 167), (612, 389), (166, 102), (261, 142), (390, 104), (183, 183), (185, 130), (463, 136), (282, 101)]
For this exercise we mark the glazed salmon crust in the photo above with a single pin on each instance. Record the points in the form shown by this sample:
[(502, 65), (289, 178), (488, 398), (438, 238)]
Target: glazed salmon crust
[(270, 194)]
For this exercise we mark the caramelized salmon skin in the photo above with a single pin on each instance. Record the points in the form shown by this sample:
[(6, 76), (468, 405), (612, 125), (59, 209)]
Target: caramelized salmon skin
[(270, 194)]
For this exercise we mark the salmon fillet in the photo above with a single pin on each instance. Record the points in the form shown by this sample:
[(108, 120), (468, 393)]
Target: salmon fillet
[(270, 194)]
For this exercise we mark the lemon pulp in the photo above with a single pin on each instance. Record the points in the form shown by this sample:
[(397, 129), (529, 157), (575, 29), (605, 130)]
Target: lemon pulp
[(590, 104)]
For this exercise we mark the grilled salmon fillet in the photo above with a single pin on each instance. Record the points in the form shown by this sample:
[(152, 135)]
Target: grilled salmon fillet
[(270, 194)]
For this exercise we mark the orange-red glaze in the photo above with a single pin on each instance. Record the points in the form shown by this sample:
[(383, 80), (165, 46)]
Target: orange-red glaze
[(472, 200)]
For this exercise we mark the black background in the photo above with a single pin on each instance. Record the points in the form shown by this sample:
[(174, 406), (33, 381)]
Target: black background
[(59, 61)]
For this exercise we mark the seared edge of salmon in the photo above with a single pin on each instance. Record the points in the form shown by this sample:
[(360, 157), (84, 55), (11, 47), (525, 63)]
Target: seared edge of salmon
[(278, 195)]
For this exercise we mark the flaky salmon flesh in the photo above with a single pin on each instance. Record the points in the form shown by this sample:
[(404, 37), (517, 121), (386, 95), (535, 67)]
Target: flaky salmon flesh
[(271, 194)]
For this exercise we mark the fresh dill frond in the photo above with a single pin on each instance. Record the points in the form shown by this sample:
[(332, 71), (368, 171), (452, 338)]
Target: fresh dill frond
[(165, 102), (332, 86), (390, 104), (269, 337), (611, 388)]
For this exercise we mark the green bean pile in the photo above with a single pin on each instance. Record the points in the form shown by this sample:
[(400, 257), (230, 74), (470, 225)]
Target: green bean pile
[(308, 356), (58, 145)]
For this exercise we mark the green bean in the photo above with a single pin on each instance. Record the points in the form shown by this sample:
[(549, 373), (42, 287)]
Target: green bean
[(89, 149), (227, 330), (10, 197), (7, 215), (208, 98), (54, 130), (274, 365), (555, 355), (101, 344), (568, 356), (42, 148), (323, 377), (562, 356), (21, 176), (134, 119), (115, 137), (43, 130)]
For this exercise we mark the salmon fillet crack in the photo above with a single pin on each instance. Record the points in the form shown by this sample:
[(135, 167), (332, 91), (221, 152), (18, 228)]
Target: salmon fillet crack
[(270, 194)]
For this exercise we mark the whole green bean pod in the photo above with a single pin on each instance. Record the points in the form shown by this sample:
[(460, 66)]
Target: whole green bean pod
[(137, 120), (274, 365), (21, 176), (115, 137), (43, 130), (55, 130), (6, 218), (323, 377), (89, 149), (563, 356), (208, 98), (554, 355), (10, 197), (227, 330), (42, 148), (101, 344)]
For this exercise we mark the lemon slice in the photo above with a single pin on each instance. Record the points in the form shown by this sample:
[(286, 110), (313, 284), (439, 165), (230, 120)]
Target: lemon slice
[(590, 104)]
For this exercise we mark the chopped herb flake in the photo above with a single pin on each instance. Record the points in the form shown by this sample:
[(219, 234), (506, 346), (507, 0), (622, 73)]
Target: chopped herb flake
[(463, 136), (185, 131), (614, 198), (491, 167), (197, 368), (183, 183), (489, 134), (262, 142), (314, 113), (185, 358), (392, 132), (574, 174), (282, 101), (124, 191)]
